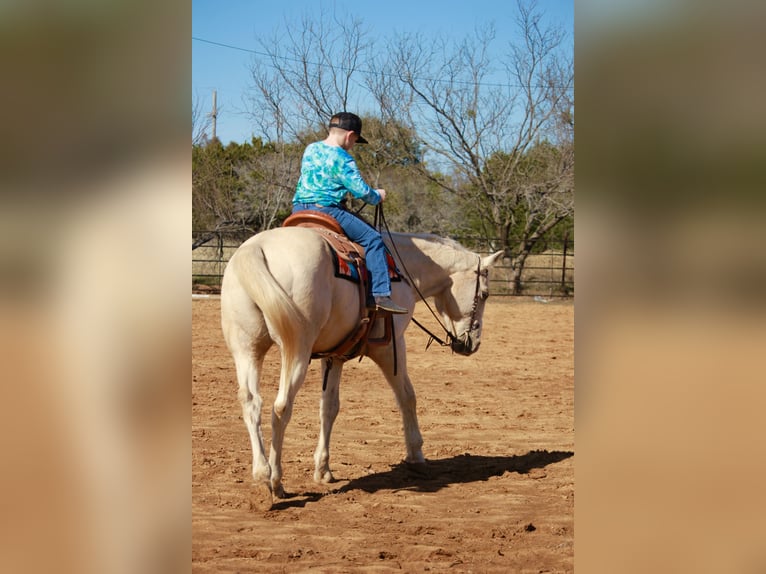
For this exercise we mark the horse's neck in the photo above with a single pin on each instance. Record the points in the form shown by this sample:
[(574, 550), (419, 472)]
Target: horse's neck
[(429, 260)]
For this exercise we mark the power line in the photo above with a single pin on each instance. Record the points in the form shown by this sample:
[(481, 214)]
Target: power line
[(365, 72), (229, 46)]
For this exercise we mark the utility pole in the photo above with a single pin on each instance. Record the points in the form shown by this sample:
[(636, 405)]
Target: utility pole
[(214, 113)]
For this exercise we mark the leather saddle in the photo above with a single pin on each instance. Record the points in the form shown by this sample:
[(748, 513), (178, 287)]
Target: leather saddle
[(352, 255)]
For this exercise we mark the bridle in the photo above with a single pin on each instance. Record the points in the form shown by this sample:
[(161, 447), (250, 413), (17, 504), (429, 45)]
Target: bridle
[(452, 339), (477, 295)]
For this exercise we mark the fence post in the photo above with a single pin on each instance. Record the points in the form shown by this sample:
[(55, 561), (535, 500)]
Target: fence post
[(564, 264)]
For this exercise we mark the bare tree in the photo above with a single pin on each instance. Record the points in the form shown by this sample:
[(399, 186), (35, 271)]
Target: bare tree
[(481, 120), (310, 72), (494, 132), (200, 122)]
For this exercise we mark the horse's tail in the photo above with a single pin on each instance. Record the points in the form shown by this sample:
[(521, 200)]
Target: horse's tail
[(285, 320)]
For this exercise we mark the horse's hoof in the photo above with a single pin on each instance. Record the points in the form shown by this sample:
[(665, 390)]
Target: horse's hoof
[(419, 469), (324, 478), (279, 491), (261, 498)]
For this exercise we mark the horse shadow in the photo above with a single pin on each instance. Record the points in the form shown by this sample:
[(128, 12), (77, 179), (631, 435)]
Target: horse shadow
[(437, 474)]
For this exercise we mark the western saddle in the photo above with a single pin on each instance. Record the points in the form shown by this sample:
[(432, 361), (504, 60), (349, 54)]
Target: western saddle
[(357, 342)]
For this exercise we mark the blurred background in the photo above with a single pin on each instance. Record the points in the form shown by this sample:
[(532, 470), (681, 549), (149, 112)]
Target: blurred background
[(95, 180), (671, 287), (95, 211)]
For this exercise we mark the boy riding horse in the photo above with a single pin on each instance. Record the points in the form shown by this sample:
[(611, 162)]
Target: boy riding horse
[(328, 172)]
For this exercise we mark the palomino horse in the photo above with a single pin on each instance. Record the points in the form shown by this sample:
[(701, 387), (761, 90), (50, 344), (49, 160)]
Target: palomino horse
[(279, 287)]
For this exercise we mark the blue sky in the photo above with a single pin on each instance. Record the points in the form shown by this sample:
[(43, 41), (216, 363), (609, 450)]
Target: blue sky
[(240, 23)]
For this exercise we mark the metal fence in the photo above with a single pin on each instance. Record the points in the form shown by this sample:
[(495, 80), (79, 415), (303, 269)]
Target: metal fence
[(549, 273)]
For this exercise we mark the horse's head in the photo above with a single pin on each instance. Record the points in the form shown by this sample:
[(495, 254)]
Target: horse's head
[(462, 304)]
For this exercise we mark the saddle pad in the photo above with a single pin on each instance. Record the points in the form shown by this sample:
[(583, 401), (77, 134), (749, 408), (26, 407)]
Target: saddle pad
[(347, 269), (344, 268)]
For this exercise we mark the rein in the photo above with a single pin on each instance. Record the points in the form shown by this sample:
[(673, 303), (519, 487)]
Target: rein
[(380, 223), (432, 337)]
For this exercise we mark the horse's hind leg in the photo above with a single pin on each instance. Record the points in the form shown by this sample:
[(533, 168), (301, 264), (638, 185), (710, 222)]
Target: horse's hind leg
[(329, 406), (249, 366), (291, 380), (248, 376), (248, 340)]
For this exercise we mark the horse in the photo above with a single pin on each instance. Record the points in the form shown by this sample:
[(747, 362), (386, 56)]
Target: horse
[(279, 287)]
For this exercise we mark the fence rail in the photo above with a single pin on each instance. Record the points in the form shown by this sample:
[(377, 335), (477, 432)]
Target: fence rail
[(549, 274)]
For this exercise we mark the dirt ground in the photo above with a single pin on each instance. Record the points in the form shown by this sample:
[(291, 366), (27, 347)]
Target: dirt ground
[(498, 430)]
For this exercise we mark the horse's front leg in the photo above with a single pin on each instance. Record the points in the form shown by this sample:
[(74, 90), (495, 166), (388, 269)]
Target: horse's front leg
[(405, 396), (329, 405)]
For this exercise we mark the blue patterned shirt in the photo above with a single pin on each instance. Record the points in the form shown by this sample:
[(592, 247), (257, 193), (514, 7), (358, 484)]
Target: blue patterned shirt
[(327, 174)]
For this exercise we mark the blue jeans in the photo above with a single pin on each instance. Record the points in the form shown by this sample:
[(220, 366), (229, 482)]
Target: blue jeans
[(359, 231)]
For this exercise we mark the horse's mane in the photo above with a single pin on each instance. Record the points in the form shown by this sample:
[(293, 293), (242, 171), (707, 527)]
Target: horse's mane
[(444, 244), (446, 241)]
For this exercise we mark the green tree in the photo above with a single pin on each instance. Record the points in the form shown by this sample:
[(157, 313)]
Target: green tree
[(241, 189)]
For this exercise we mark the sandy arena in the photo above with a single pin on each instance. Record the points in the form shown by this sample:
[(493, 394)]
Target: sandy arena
[(498, 431)]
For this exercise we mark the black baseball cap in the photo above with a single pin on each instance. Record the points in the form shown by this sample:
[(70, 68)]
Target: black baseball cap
[(350, 122)]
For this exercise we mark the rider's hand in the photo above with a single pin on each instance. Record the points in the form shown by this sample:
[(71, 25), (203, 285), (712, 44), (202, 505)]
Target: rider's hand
[(382, 193)]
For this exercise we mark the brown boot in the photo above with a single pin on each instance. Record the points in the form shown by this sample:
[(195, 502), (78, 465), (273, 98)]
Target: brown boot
[(385, 304)]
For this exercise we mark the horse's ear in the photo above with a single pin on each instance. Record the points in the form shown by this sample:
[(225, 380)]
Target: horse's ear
[(493, 259)]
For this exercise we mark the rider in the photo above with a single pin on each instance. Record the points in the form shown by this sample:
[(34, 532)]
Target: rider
[(328, 172)]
